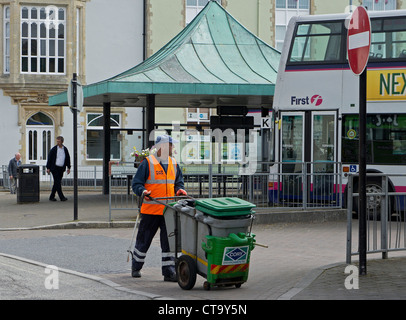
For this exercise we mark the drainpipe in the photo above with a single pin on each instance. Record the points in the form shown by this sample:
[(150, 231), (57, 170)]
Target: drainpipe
[(144, 29), (144, 55), (258, 18)]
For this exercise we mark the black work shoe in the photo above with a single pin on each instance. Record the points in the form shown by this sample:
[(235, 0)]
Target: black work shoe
[(135, 273), (52, 199), (172, 277), (64, 199)]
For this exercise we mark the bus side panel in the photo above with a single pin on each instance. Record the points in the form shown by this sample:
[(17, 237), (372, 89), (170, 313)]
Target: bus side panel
[(294, 94)]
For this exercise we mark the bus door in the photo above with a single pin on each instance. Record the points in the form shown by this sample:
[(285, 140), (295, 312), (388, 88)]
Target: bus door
[(308, 142), (323, 155), (292, 142)]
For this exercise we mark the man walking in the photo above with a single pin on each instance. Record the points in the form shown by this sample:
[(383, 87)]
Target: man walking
[(156, 177), (58, 160), (12, 172)]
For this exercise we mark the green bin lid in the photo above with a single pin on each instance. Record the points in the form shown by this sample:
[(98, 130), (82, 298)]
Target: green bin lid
[(224, 206)]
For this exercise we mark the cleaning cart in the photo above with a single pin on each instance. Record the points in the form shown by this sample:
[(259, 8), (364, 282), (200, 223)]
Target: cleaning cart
[(214, 238)]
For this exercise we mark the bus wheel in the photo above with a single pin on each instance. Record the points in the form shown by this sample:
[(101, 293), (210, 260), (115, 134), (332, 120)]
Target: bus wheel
[(373, 201)]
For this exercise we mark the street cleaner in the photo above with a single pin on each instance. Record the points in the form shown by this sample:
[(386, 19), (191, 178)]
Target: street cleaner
[(157, 177)]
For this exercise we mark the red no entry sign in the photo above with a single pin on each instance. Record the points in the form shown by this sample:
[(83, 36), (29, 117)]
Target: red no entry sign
[(359, 40)]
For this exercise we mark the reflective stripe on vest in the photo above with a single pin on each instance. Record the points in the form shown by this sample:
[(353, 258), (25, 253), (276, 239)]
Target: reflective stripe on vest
[(160, 184)]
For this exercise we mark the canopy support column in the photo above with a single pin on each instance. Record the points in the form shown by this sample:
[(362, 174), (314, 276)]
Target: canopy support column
[(149, 119), (106, 146)]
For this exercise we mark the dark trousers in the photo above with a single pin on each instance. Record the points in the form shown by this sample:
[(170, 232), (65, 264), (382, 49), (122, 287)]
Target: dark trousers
[(13, 185), (57, 174), (146, 231)]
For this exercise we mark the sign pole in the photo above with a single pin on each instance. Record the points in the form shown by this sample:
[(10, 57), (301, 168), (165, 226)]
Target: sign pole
[(362, 173), (358, 46), (75, 146)]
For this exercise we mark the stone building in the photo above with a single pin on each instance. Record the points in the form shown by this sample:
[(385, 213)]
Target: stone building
[(46, 41)]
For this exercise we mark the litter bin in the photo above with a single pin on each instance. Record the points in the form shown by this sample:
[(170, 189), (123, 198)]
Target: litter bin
[(228, 258), (224, 215), (215, 241), (28, 183)]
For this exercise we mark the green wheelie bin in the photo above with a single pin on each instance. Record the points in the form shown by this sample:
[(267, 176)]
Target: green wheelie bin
[(215, 241)]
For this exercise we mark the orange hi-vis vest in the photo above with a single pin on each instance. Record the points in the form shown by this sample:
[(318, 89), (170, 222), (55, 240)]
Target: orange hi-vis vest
[(160, 184)]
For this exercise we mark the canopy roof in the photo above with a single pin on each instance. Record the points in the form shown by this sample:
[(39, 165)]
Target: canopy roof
[(214, 60)]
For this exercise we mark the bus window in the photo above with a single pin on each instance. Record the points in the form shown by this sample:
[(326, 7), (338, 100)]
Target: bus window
[(323, 138), (386, 139), (388, 40), (292, 138), (317, 42)]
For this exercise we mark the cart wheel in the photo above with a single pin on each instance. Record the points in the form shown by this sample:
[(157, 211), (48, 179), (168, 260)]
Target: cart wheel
[(186, 270), (206, 285)]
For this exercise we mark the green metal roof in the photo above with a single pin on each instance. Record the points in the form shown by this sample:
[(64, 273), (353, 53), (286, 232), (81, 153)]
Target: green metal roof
[(214, 55)]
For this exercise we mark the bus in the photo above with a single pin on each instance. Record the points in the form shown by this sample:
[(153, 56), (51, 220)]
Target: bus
[(316, 105)]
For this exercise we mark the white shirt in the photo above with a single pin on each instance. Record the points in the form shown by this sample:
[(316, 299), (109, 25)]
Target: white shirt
[(60, 157)]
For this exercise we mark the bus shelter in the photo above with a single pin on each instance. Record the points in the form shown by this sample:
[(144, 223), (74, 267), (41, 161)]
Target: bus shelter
[(214, 61)]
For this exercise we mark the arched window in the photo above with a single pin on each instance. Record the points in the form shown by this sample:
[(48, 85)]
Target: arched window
[(94, 136), (40, 119)]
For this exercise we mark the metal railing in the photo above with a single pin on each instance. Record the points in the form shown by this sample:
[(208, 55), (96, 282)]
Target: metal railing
[(385, 211), (273, 185), (267, 185), (6, 178), (89, 177), (121, 196), (262, 185), (305, 185)]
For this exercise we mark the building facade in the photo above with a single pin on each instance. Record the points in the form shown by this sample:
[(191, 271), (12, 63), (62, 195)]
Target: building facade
[(45, 41)]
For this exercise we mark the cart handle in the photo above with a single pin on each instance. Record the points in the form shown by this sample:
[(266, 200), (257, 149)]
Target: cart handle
[(157, 200), (260, 245), (167, 198)]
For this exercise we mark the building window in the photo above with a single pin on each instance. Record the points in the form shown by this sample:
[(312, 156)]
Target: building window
[(318, 42), (193, 7), (286, 9), (43, 40), (6, 39), (40, 119), (379, 5), (94, 137)]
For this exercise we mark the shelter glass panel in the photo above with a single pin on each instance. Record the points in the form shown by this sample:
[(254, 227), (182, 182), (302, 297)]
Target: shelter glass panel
[(94, 137)]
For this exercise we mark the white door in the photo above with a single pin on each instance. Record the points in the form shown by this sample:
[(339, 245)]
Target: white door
[(309, 137), (39, 141)]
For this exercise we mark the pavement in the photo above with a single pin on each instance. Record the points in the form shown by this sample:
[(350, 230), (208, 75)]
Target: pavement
[(385, 278)]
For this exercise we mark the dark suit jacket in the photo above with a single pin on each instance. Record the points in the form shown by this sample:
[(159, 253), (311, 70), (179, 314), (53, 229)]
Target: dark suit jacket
[(52, 159), (12, 168)]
